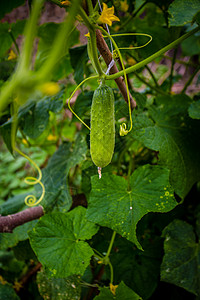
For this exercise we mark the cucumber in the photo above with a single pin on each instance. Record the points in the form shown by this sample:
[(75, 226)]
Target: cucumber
[(102, 123)]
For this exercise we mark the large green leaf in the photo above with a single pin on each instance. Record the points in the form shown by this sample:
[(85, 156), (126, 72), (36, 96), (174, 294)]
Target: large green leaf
[(55, 175), (182, 11), (78, 58), (119, 205), (58, 241), (121, 292), (168, 129), (140, 270), (47, 33), (34, 116), (181, 264), (58, 288)]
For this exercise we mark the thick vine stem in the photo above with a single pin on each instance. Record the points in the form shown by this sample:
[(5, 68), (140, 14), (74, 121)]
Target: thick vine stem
[(8, 223), (107, 56)]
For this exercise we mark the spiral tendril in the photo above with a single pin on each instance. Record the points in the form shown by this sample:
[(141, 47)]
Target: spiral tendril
[(123, 131), (31, 200)]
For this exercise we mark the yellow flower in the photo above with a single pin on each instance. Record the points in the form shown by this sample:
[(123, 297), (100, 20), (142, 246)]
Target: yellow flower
[(124, 5), (17, 286), (2, 280), (66, 2), (24, 141), (50, 88), (131, 61), (51, 138), (113, 288), (107, 15), (87, 34), (12, 55)]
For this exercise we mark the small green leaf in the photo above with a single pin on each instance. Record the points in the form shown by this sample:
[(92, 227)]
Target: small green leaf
[(116, 205), (122, 292), (182, 11), (58, 288), (58, 241), (180, 264), (194, 110)]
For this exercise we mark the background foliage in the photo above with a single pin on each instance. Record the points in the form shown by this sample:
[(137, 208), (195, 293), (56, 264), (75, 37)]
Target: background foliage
[(150, 192)]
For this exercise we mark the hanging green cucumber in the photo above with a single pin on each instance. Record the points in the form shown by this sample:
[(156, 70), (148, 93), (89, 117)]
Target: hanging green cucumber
[(102, 134)]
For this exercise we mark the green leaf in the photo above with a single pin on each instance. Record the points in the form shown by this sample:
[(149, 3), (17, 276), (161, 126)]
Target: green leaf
[(122, 292), (13, 204), (118, 205), (55, 175), (194, 110), (82, 105), (182, 11), (140, 270), (7, 292), (9, 6), (58, 241), (58, 288), (191, 46), (180, 264), (78, 58), (169, 130), (6, 40)]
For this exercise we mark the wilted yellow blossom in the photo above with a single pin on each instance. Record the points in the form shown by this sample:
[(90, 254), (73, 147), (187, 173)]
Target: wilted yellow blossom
[(113, 288), (124, 6), (131, 61), (107, 15), (12, 55), (50, 88), (51, 138), (66, 2)]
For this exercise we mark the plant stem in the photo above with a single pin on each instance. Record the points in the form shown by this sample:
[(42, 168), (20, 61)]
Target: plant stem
[(172, 69), (14, 41), (152, 75), (93, 44), (154, 56), (190, 80), (133, 15), (61, 38), (90, 6), (107, 56), (29, 33), (110, 245), (111, 272), (148, 84), (185, 63)]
